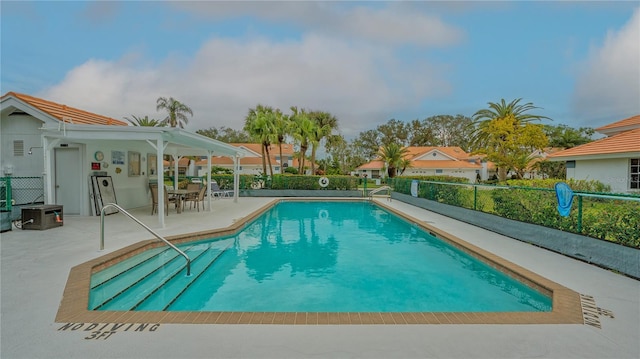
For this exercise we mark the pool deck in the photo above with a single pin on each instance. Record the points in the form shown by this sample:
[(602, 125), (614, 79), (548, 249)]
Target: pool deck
[(35, 266)]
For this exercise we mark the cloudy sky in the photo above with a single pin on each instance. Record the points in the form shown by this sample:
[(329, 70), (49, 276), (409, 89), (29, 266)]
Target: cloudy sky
[(365, 62)]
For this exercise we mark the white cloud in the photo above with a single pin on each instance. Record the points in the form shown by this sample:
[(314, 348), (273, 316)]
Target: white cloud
[(362, 85), (388, 23), (608, 86)]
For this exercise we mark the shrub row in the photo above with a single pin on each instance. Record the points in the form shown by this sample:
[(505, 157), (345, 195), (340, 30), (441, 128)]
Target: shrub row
[(287, 181), (535, 202)]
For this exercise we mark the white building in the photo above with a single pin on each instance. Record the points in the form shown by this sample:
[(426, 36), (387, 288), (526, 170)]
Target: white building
[(613, 160), (66, 146), (434, 161)]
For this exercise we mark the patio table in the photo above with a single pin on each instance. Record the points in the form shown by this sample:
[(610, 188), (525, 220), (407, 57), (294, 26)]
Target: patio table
[(180, 193)]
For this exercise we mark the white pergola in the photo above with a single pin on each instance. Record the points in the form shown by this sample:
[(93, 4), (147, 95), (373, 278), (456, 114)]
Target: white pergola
[(165, 140)]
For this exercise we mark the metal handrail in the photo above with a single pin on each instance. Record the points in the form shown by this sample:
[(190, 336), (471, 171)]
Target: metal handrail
[(122, 210), (618, 197), (379, 189)]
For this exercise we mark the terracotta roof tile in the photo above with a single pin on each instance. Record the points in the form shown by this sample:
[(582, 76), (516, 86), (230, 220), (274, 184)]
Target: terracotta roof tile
[(373, 165), (63, 112), (444, 164), (244, 161), (287, 148), (633, 121), (625, 142), (183, 162), (461, 159), (453, 151)]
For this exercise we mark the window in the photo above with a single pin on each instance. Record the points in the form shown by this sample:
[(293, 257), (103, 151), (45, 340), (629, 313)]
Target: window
[(571, 164), (438, 171), (635, 173)]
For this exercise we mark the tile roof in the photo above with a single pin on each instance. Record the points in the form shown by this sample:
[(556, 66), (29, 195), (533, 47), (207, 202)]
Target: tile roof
[(248, 161), (183, 162), (373, 165), (460, 159), (444, 164), (64, 112), (244, 161), (631, 122), (453, 151), (287, 149), (625, 142)]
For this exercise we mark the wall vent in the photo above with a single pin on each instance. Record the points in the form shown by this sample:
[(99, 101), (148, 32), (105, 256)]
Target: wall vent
[(18, 148)]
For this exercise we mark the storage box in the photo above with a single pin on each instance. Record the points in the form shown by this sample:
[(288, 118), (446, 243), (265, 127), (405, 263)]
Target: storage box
[(42, 217)]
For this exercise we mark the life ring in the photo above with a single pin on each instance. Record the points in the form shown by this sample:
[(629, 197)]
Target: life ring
[(323, 214), (323, 182)]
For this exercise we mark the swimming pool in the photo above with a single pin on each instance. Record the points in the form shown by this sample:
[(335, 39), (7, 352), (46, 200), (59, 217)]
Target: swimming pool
[(316, 257)]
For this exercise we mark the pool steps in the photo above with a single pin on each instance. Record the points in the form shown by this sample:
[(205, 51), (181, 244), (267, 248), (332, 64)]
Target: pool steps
[(151, 302), (127, 300), (121, 286), (107, 274)]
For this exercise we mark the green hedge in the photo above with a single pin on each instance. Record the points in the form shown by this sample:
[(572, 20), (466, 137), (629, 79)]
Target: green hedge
[(443, 191), (287, 181), (576, 185), (534, 201)]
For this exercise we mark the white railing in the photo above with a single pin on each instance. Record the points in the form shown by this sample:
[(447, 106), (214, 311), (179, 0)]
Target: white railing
[(380, 189), (143, 226)]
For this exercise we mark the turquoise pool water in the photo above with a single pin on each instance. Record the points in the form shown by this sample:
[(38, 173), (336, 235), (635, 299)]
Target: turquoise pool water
[(320, 257)]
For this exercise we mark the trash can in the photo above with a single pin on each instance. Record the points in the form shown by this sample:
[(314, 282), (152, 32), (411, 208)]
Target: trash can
[(42, 217)]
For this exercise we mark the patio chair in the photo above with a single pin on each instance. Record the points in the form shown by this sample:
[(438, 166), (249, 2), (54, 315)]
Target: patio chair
[(192, 187), (199, 198), (154, 199), (217, 192)]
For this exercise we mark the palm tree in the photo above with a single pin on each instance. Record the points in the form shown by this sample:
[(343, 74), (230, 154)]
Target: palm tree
[(259, 123), (144, 121), (490, 131), (281, 127), (325, 123), (521, 162), (393, 156), (303, 128), (403, 165), (177, 111)]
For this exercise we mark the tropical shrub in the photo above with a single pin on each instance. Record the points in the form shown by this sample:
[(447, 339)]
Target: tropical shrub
[(291, 170)]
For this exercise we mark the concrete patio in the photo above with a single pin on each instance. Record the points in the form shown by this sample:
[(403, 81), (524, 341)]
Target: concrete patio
[(35, 266)]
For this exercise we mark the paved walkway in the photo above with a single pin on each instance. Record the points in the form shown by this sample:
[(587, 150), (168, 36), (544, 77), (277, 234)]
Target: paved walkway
[(35, 265)]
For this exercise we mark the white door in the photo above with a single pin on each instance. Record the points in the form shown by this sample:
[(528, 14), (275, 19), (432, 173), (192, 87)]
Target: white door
[(67, 179)]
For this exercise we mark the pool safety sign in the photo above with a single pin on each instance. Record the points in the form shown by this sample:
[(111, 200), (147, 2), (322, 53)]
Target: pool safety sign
[(103, 331)]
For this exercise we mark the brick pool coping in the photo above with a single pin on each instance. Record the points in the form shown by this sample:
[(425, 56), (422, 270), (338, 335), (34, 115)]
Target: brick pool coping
[(566, 303)]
